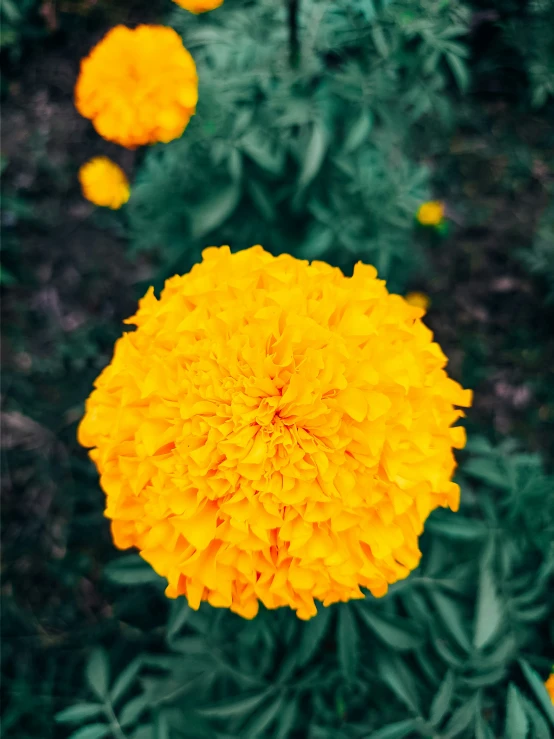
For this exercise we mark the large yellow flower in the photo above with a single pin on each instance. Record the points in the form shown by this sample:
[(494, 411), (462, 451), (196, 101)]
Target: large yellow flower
[(274, 431), (138, 86), (104, 183), (199, 6)]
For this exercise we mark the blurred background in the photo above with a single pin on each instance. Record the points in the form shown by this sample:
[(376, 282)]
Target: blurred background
[(321, 139)]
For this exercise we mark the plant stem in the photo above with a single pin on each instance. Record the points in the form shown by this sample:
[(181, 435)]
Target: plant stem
[(294, 43)]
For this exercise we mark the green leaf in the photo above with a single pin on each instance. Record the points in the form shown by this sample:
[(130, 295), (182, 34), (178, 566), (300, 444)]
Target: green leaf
[(398, 730), (287, 719), (132, 710), (315, 153), (161, 726), (79, 712), (359, 131), (539, 727), (459, 70), (517, 723), (98, 673), (489, 609), (457, 527), (131, 570), (94, 731), (234, 707), (399, 679), (537, 686), (213, 212), (347, 642), (260, 723), (452, 618), (442, 700), (397, 633), (125, 679), (462, 718), (487, 470), (178, 615)]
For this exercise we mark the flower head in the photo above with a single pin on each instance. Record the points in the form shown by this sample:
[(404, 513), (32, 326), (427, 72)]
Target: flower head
[(275, 431), (431, 213), (138, 86), (420, 300), (549, 685), (199, 6), (104, 183)]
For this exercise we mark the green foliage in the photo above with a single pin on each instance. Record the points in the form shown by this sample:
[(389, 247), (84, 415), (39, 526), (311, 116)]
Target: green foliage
[(18, 24), (313, 159), (452, 649)]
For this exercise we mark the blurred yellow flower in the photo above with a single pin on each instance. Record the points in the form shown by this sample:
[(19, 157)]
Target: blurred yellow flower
[(431, 213), (138, 86), (420, 300), (104, 183), (275, 431), (549, 685), (199, 6)]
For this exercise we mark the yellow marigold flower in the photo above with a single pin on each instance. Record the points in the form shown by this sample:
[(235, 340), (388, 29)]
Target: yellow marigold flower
[(138, 86), (104, 183), (275, 431), (549, 685), (199, 6), (431, 213), (420, 300)]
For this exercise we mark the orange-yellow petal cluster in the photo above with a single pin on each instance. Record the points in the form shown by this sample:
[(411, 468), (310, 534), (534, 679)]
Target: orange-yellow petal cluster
[(104, 183), (549, 685), (275, 431), (199, 6), (138, 86), (431, 213)]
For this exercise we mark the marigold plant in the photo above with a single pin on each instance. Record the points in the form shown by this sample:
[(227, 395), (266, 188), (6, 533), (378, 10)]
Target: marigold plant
[(104, 183), (199, 6), (138, 86), (275, 431)]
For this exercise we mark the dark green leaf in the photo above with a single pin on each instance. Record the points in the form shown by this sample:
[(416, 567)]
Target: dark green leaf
[(443, 698), (537, 686), (452, 618), (287, 719), (396, 633), (457, 528), (265, 718), (131, 570), (234, 707), (213, 212), (517, 723), (178, 615), (489, 610), (94, 731), (487, 470), (315, 153), (79, 712), (462, 718), (400, 681), (123, 681), (398, 730), (98, 673), (132, 710), (347, 642)]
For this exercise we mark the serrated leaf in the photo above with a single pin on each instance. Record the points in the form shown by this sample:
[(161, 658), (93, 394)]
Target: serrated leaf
[(234, 707), (132, 710), (315, 153), (347, 643), (400, 634), (131, 570), (489, 610), (79, 712), (398, 730), (537, 686), (124, 680), (98, 673), (451, 618), (442, 700), (400, 681), (94, 731), (213, 212), (178, 615), (516, 719)]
